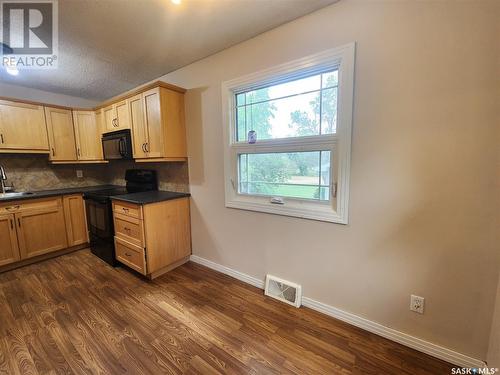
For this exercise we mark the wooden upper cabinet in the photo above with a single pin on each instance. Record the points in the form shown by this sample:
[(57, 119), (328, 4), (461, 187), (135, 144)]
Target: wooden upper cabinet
[(9, 250), (41, 230), (162, 126), (139, 130), (109, 116), (99, 118), (61, 134), (154, 125), (122, 115), (116, 116), (22, 127), (88, 136), (76, 220)]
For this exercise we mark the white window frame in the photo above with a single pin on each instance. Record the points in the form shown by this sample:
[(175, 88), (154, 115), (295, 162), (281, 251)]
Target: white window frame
[(336, 209)]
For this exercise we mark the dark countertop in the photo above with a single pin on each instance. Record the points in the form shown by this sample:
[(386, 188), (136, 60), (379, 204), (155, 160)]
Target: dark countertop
[(56, 192), (150, 197)]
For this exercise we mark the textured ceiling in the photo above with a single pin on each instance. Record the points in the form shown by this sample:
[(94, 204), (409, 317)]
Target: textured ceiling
[(110, 46)]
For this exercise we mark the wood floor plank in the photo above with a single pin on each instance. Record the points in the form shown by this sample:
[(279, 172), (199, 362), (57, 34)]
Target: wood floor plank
[(76, 315)]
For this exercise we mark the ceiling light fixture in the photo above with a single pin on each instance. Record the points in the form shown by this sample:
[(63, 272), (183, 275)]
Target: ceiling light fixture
[(176, 2)]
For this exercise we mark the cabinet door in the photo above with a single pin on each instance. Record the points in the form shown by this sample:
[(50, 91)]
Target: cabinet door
[(88, 136), (152, 118), (61, 134), (109, 116), (99, 118), (122, 115), (9, 251), (139, 131), (22, 127), (41, 231), (76, 220)]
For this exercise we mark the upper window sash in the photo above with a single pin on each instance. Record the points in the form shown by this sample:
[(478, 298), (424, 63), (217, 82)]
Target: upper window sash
[(302, 105)]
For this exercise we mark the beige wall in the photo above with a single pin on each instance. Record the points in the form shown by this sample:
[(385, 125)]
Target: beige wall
[(426, 97), (25, 93)]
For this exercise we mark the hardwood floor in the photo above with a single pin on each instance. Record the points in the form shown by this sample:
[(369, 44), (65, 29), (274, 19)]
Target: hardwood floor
[(75, 314)]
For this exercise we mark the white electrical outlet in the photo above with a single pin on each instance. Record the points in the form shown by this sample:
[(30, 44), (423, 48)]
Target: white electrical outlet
[(79, 173), (417, 304)]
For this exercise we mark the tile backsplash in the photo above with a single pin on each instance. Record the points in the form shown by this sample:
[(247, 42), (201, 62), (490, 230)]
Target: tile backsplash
[(34, 172)]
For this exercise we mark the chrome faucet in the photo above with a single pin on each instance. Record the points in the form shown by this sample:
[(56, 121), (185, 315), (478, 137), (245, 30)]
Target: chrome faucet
[(3, 177)]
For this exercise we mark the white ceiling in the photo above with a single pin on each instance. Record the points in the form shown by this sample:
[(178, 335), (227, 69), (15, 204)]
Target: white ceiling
[(109, 46)]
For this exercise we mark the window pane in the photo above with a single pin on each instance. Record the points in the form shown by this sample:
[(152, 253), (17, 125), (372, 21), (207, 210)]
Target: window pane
[(329, 111), (330, 79), (301, 107), (281, 90), (299, 113), (241, 124), (286, 174)]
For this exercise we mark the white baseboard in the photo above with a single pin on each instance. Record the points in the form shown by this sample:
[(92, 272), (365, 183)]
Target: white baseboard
[(228, 271), (423, 346)]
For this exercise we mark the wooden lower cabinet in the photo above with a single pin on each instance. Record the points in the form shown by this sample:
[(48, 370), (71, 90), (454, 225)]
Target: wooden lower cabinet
[(35, 227), (41, 231), (9, 250), (152, 238), (76, 219), (130, 255)]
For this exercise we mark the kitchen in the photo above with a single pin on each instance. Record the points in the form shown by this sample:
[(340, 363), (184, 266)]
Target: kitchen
[(249, 187), (132, 130)]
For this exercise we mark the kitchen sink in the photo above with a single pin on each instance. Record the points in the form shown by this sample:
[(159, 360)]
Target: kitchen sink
[(15, 194)]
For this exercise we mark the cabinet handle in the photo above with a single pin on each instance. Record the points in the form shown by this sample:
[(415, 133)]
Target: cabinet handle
[(11, 224), (1, 136), (12, 208), (147, 147), (53, 152), (78, 151), (117, 122), (125, 209), (19, 222), (143, 148), (127, 254), (127, 229)]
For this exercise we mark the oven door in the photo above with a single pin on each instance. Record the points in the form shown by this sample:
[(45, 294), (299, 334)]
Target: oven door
[(100, 219), (100, 224)]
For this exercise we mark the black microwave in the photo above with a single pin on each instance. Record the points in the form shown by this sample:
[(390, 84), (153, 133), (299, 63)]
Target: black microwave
[(117, 145)]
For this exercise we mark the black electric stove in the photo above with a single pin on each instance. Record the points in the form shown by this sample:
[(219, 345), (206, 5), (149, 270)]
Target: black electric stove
[(100, 215)]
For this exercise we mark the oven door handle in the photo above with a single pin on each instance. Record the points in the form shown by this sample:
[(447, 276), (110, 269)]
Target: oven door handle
[(122, 147)]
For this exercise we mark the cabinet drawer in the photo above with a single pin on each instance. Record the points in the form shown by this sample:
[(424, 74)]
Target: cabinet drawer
[(129, 229), (130, 255), (128, 209), (35, 204)]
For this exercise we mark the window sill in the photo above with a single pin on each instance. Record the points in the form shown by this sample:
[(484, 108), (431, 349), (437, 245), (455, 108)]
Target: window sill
[(303, 211)]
